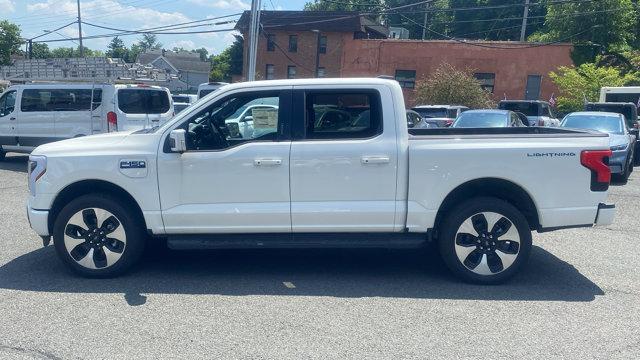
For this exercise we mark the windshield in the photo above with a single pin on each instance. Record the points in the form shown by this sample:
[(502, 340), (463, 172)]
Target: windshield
[(529, 109), (434, 112), (606, 124), (480, 120)]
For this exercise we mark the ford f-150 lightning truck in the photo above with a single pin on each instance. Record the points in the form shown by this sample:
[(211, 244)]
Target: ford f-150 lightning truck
[(332, 164)]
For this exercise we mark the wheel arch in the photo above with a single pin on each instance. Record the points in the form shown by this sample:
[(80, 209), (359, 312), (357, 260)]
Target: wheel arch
[(91, 186), (495, 187)]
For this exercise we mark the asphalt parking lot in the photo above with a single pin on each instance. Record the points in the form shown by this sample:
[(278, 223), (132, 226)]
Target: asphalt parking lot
[(578, 298)]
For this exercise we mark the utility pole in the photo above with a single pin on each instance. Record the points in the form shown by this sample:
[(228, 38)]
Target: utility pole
[(80, 31), (424, 24), (254, 32), (523, 30), (30, 49)]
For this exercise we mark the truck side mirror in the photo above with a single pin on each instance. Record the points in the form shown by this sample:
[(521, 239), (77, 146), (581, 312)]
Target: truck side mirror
[(178, 140)]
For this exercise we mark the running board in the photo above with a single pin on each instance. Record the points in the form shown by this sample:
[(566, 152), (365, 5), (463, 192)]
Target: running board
[(298, 240)]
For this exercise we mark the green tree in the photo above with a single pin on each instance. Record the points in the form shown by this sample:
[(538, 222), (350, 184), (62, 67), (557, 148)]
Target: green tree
[(117, 49), (63, 52), (577, 84), (204, 53), (40, 51), (228, 62), (10, 41), (149, 42), (449, 85), (603, 23), (348, 5)]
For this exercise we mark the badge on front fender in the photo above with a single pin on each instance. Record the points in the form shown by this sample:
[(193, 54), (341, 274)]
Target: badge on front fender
[(134, 168)]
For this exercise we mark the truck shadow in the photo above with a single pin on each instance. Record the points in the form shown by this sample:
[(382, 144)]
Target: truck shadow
[(15, 163), (336, 273)]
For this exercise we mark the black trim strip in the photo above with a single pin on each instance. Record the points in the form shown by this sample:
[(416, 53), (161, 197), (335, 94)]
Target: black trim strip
[(543, 230)]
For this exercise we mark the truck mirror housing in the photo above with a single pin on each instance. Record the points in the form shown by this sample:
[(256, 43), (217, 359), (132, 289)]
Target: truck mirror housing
[(178, 140)]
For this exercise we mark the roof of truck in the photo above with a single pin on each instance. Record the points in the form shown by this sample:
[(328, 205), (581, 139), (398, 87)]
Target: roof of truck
[(306, 82)]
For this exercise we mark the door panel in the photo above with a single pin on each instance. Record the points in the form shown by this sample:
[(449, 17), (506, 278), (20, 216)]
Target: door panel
[(226, 191), (240, 185), (344, 184), (8, 118)]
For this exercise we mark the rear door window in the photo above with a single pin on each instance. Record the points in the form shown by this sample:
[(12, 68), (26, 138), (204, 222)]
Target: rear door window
[(143, 101), (60, 99), (343, 115)]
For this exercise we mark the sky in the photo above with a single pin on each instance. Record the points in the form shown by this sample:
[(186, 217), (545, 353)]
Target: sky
[(36, 16)]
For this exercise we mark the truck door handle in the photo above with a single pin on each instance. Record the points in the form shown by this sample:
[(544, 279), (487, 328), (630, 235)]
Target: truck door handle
[(12, 118), (375, 160), (267, 162)]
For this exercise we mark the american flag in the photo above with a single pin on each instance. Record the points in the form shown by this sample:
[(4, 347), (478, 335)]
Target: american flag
[(552, 100)]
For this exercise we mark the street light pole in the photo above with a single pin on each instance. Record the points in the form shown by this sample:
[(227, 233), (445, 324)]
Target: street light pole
[(523, 30)]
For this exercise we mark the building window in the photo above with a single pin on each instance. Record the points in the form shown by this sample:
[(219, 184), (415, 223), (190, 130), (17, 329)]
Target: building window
[(406, 78), (321, 72), (293, 43), (271, 42), (322, 45), (270, 72), (487, 81), (291, 72)]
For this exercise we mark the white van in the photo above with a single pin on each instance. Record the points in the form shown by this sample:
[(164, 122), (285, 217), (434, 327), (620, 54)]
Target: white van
[(35, 114), (207, 88)]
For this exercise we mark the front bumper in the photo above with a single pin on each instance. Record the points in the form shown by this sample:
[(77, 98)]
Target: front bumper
[(39, 221), (605, 214)]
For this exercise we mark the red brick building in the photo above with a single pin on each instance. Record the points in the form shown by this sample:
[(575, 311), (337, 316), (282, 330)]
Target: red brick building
[(297, 44)]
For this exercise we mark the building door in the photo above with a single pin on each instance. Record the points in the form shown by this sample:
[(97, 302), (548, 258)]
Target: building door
[(532, 92)]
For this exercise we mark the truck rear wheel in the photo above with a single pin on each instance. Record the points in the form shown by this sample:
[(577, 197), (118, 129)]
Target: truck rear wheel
[(96, 236), (485, 240)]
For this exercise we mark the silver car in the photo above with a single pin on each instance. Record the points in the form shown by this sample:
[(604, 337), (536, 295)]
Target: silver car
[(620, 140)]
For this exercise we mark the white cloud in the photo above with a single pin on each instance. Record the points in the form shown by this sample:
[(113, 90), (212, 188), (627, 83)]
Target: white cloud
[(7, 6), (110, 10), (223, 4)]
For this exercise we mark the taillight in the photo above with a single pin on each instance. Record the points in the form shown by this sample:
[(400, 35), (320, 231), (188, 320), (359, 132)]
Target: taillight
[(112, 121), (598, 162)]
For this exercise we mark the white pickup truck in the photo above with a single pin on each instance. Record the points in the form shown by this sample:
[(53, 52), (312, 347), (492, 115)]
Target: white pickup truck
[(334, 166)]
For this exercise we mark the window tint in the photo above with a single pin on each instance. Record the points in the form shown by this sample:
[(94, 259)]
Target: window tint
[(472, 119), (60, 99), (349, 115), (487, 81), (143, 101), (180, 99), (219, 126), (621, 97), (7, 103), (529, 109), (406, 78), (293, 43), (434, 112)]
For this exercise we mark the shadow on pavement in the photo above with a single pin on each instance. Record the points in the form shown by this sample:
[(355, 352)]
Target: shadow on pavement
[(336, 273), (15, 163)]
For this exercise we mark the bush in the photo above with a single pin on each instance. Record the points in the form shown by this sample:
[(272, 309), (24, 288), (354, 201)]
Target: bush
[(451, 86), (577, 84)]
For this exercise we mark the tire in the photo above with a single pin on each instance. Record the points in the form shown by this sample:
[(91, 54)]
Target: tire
[(476, 258), (98, 236)]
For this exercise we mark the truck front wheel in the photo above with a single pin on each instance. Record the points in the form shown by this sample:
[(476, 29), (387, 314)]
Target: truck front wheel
[(96, 236), (485, 240)]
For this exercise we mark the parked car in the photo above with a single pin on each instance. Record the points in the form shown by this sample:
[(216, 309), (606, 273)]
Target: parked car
[(35, 114), (630, 113), (364, 182), (178, 107), (538, 112), (439, 115), (487, 118), (184, 98), (207, 88), (414, 120), (621, 142)]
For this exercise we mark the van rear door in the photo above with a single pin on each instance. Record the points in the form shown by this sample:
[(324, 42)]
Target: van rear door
[(140, 108)]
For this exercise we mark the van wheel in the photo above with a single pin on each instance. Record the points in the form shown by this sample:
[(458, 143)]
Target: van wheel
[(95, 236), (485, 240)]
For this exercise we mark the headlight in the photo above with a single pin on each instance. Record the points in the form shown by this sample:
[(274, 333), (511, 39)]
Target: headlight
[(619, 147), (36, 167)]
